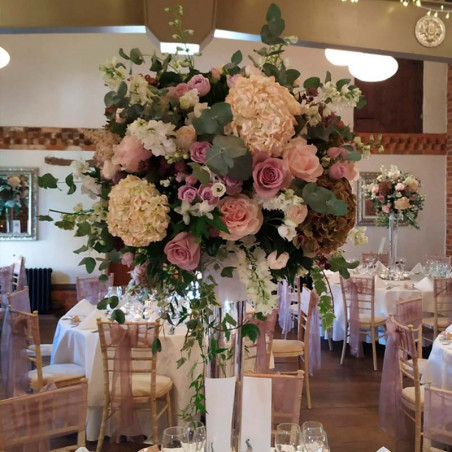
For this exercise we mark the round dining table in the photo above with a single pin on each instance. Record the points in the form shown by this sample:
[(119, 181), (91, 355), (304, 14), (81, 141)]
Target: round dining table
[(75, 344), (438, 370)]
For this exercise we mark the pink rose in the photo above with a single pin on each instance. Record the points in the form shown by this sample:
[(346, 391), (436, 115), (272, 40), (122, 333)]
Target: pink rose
[(270, 175), (129, 153), (127, 259), (414, 197), (302, 160), (381, 198), (178, 90), (399, 186), (198, 151), (232, 80), (241, 215), (205, 193), (190, 180), (277, 263), (336, 152), (183, 251), (233, 186), (386, 208), (185, 137), (343, 169), (200, 84), (297, 214), (187, 193)]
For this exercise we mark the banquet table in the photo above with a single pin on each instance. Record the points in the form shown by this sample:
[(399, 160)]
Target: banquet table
[(82, 346), (386, 295), (438, 370)]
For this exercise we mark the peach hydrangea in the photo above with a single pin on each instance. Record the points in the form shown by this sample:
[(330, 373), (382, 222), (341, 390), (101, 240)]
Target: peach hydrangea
[(137, 212), (263, 113)]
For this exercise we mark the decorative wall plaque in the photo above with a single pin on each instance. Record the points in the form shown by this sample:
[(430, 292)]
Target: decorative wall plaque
[(430, 31)]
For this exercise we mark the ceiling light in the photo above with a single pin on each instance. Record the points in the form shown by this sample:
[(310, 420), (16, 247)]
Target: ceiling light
[(373, 68), (179, 48), (340, 57), (4, 57)]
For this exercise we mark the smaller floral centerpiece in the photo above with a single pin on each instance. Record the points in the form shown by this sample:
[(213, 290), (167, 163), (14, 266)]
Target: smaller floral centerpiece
[(14, 192), (395, 192)]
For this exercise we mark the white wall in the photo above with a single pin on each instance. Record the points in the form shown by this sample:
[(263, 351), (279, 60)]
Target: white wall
[(53, 81), (54, 246), (430, 238)]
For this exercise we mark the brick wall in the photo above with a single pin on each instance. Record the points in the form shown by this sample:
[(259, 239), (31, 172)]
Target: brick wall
[(449, 164)]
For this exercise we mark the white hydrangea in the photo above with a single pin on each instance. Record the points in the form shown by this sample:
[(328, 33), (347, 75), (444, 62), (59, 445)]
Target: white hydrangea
[(154, 135), (254, 272), (139, 90), (112, 74), (189, 99), (358, 236)]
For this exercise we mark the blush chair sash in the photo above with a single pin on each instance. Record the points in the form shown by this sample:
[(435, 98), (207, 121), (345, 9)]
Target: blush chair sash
[(6, 279), (315, 356), (438, 415), (266, 328), (284, 301)]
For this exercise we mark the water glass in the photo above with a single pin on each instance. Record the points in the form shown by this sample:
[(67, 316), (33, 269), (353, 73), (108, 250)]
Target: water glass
[(175, 438), (288, 438), (314, 437)]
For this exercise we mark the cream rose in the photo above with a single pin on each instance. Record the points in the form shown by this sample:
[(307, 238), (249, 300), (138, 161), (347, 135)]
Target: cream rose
[(402, 203), (302, 160), (277, 262), (185, 137), (241, 215), (296, 214)]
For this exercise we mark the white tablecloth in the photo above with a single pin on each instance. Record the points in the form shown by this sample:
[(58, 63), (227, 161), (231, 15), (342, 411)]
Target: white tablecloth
[(438, 370), (385, 299), (73, 345)]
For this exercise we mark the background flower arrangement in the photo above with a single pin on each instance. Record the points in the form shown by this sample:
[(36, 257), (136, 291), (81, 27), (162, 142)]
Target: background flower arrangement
[(395, 192), (14, 192), (244, 164)]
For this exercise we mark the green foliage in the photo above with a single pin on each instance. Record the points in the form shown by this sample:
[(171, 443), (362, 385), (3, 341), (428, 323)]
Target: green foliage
[(199, 173), (118, 316), (89, 263), (251, 331), (44, 218), (323, 201), (213, 120), (312, 82), (271, 31), (47, 181), (227, 272), (156, 346), (339, 264), (70, 183)]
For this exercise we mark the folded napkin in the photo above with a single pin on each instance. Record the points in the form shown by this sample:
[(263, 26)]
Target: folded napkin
[(425, 284), (380, 268), (449, 329), (90, 322), (383, 449), (83, 307), (417, 269)]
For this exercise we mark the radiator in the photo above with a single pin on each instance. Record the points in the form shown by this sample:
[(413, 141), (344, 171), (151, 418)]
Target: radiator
[(39, 285)]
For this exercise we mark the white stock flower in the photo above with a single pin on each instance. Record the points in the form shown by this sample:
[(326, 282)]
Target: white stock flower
[(78, 207), (139, 90), (189, 99), (112, 74), (154, 135), (90, 187), (78, 168), (184, 210), (358, 236), (287, 232)]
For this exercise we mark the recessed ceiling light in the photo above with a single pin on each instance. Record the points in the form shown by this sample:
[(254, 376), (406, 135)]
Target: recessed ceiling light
[(4, 57)]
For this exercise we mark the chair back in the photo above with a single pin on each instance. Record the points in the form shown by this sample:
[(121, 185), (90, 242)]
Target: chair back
[(437, 415), (21, 345), (20, 300), (287, 391), (383, 258), (33, 420), (409, 312), (19, 277), (258, 354), (6, 279), (129, 351), (90, 287), (442, 293), (308, 330)]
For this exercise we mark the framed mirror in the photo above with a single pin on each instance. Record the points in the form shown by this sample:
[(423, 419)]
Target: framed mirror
[(18, 203)]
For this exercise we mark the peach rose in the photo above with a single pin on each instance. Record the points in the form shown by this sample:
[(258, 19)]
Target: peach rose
[(302, 160), (277, 263), (402, 203), (185, 137), (297, 214), (241, 215), (343, 169), (129, 153), (183, 251)]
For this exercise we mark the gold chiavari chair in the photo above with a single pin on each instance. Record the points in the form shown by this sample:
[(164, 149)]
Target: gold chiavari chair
[(368, 320), (383, 258), (287, 392), (412, 396), (299, 348), (136, 339), (6, 286), (29, 422), (442, 308), (61, 375), (90, 287)]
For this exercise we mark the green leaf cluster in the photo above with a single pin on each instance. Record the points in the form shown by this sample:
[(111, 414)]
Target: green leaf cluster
[(338, 264), (212, 120), (323, 201)]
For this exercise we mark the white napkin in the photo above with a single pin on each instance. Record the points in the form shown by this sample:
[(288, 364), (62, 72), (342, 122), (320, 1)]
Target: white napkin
[(83, 307), (333, 277), (425, 284), (82, 449), (449, 329), (417, 269), (90, 322), (380, 268), (383, 449)]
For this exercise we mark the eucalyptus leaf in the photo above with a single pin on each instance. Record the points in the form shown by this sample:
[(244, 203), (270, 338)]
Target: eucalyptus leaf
[(237, 57), (118, 315), (70, 183), (44, 218), (311, 82), (89, 263), (122, 89), (47, 181), (340, 83), (199, 173), (123, 54), (354, 156), (103, 278), (136, 56), (227, 272)]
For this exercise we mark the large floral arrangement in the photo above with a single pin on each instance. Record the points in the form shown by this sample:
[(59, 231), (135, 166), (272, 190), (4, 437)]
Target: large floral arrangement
[(395, 192), (14, 192), (245, 168)]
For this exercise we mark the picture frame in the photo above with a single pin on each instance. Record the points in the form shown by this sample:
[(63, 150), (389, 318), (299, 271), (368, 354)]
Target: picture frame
[(365, 212)]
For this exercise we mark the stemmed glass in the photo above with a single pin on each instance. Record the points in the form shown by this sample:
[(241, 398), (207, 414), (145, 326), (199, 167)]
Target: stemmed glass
[(175, 438), (288, 438), (314, 437), (196, 436)]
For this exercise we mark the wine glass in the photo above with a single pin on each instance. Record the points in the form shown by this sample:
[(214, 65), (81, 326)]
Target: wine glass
[(288, 438), (175, 438), (314, 437), (196, 435)]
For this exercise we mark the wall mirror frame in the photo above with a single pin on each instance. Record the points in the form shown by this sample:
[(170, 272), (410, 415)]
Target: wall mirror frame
[(18, 203)]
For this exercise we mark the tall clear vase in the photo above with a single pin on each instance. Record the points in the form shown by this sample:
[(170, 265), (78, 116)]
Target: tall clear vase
[(393, 239), (223, 379)]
